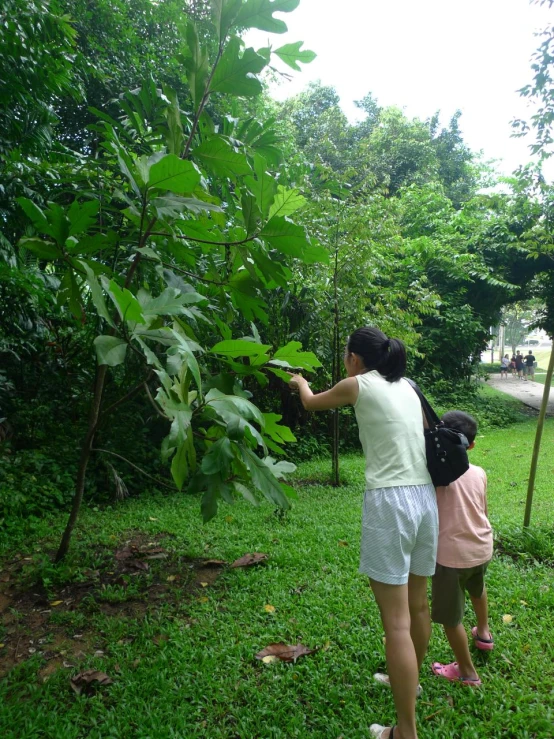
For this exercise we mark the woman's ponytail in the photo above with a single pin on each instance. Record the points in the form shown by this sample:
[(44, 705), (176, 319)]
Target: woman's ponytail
[(387, 356), (393, 366)]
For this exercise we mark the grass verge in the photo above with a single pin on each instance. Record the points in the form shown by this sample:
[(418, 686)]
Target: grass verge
[(183, 664)]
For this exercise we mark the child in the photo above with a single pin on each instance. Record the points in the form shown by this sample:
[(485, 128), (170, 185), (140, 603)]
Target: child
[(464, 552)]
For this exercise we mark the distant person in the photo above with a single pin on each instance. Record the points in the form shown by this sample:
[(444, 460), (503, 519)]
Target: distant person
[(513, 365), (519, 364), (464, 552), (504, 366), (530, 365)]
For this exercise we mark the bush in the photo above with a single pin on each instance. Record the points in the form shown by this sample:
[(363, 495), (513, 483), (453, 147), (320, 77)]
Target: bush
[(534, 545), (32, 484)]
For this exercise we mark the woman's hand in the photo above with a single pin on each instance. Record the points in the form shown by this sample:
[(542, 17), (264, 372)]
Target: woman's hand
[(296, 382)]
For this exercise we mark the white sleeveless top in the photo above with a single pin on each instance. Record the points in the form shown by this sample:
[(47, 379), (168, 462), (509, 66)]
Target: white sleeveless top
[(391, 432)]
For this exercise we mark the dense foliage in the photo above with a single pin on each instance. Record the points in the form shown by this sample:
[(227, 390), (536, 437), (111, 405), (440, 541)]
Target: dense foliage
[(173, 240)]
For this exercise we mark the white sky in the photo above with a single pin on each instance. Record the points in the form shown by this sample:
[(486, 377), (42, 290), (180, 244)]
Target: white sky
[(424, 56)]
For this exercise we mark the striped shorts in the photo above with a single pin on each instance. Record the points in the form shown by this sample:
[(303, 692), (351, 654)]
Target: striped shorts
[(400, 528)]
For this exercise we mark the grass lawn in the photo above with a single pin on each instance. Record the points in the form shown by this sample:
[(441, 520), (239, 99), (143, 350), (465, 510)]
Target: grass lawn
[(180, 649)]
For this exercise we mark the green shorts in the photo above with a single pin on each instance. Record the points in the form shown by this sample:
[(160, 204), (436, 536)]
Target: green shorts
[(448, 591)]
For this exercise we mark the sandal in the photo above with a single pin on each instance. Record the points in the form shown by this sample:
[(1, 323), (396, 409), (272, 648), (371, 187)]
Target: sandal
[(484, 644), (377, 730), (452, 672), (383, 679)]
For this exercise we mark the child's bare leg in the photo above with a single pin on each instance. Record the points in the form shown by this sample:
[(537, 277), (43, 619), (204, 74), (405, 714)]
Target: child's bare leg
[(481, 608), (457, 638)]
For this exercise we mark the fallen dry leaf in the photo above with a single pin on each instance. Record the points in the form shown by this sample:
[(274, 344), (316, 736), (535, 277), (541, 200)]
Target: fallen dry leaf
[(269, 608), (247, 560), (151, 518), (270, 659), (507, 619), (229, 519), (215, 563), (203, 599), (171, 578), (343, 543), (84, 682), (204, 584), (56, 603), (285, 652)]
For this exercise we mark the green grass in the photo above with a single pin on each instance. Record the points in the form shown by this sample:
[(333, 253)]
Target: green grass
[(202, 680)]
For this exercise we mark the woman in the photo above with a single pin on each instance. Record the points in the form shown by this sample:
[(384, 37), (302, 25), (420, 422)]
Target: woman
[(400, 520)]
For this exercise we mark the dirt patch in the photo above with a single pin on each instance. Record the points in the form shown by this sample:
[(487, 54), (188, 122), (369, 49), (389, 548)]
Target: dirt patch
[(133, 579)]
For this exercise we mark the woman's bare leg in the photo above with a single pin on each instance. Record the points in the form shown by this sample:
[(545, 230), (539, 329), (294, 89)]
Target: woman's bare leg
[(420, 618), (402, 660)]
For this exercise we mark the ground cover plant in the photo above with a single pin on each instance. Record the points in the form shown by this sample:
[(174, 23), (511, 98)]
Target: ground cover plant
[(177, 636)]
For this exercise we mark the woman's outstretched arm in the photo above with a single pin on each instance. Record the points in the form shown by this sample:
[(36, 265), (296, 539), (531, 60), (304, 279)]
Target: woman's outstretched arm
[(344, 392)]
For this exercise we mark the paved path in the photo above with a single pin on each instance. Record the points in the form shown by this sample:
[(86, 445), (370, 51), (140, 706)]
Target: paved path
[(528, 392)]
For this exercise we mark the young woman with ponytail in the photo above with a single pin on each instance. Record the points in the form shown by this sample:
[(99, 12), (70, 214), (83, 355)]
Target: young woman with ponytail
[(400, 519)]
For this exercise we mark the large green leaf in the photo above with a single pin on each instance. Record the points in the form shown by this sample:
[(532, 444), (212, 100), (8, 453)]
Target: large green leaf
[(97, 294), (34, 213), (251, 214), (128, 306), (184, 461), (291, 356), (286, 202), (263, 479), (239, 348), (235, 405), (279, 469), (171, 302), (171, 206), (236, 73), (175, 136), (42, 249), (110, 350), (285, 236), (259, 14), (218, 458), (224, 13), (82, 217), (174, 174), (263, 187), (291, 54), (280, 434), (221, 158), (197, 65)]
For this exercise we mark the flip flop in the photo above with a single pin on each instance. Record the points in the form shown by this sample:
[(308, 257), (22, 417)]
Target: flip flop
[(452, 672), (377, 730), (383, 679), (484, 644)]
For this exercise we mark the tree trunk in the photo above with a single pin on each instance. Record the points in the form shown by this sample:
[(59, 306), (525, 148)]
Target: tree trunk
[(335, 474), (538, 437), (101, 371)]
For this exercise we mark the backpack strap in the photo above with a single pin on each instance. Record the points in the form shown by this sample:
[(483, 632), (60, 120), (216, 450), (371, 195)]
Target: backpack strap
[(432, 418)]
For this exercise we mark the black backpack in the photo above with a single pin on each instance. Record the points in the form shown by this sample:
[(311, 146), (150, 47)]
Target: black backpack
[(445, 448)]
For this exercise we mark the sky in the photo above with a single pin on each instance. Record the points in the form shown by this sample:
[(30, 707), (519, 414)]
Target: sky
[(424, 56)]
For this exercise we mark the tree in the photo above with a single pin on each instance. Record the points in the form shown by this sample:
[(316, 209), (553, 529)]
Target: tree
[(167, 267)]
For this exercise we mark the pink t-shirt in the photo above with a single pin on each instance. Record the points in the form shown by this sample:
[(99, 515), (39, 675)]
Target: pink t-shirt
[(465, 534)]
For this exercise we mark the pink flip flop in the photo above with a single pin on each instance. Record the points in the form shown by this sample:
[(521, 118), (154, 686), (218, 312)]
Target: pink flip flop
[(485, 644), (452, 672)]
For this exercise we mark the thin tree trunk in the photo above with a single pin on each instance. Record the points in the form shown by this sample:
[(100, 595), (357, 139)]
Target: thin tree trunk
[(94, 416), (538, 437), (335, 474), (101, 371)]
